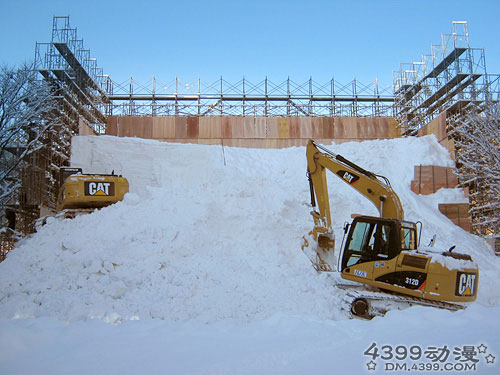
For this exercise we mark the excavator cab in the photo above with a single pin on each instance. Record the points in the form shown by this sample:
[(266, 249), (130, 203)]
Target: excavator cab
[(377, 239), (384, 254)]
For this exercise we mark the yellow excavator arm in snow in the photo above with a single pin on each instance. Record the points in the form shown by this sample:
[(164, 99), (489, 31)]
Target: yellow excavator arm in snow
[(320, 242)]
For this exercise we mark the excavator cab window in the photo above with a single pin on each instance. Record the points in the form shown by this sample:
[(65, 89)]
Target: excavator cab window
[(384, 235), (359, 236), (369, 240), (408, 236), (65, 172)]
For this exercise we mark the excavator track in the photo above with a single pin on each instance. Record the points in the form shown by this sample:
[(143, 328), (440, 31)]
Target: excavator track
[(64, 214), (71, 213), (360, 302)]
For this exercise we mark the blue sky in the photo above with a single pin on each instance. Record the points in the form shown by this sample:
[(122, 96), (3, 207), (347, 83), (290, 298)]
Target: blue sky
[(208, 39)]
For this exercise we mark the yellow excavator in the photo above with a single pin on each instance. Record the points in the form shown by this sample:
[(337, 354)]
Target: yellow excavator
[(380, 256), (81, 193)]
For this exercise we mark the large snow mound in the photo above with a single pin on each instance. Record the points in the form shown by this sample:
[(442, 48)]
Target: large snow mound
[(212, 234)]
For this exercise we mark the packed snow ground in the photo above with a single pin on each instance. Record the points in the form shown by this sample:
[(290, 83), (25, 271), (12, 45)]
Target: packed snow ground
[(200, 270)]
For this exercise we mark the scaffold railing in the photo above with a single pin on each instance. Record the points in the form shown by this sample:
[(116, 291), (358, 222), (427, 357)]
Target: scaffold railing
[(246, 98)]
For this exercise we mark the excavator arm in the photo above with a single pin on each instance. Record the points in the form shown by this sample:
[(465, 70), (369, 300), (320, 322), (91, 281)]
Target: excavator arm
[(376, 189), (319, 244)]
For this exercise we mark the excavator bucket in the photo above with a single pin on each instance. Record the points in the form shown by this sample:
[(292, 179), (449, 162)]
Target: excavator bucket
[(319, 246)]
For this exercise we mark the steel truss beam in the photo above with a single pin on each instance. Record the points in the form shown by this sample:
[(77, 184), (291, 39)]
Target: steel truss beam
[(248, 99)]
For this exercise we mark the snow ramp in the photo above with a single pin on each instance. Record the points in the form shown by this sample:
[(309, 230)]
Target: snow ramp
[(210, 234)]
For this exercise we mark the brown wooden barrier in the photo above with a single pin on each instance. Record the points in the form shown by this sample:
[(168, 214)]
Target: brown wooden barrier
[(458, 213), (430, 178), (438, 128), (427, 179), (259, 132), (84, 128)]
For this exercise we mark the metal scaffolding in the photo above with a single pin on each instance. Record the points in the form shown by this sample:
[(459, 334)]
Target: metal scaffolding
[(74, 74), (245, 98), (80, 91), (449, 79)]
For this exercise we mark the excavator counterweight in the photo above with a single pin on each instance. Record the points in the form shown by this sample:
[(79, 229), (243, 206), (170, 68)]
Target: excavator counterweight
[(81, 194), (89, 191)]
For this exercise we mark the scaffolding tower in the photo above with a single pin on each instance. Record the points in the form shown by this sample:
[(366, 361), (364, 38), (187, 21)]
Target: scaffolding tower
[(67, 65), (449, 79), (452, 81), (79, 87)]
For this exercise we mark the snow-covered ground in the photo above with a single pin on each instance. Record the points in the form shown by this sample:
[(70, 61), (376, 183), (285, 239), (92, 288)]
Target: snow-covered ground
[(199, 271)]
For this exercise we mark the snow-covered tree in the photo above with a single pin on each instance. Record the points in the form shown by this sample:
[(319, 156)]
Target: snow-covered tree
[(477, 140), (26, 115)]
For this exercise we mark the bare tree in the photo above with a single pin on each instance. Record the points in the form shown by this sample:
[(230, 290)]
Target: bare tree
[(477, 139), (27, 113)]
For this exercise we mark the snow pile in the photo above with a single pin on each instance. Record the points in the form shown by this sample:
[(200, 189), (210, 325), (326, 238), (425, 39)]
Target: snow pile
[(448, 261), (208, 235), (201, 265)]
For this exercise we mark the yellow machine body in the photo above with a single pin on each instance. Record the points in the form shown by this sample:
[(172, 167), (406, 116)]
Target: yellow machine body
[(83, 191), (381, 251)]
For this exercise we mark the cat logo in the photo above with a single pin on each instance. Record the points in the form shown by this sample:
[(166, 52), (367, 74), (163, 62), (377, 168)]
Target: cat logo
[(466, 284), (348, 177), (105, 189)]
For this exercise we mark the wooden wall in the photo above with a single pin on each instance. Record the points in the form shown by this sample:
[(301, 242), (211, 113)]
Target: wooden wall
[(458, 213), (84, 128), (438, 128), (257, 132), (427, 179)]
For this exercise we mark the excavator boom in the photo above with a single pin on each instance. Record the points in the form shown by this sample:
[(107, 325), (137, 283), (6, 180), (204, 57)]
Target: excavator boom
[(375, 188)]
